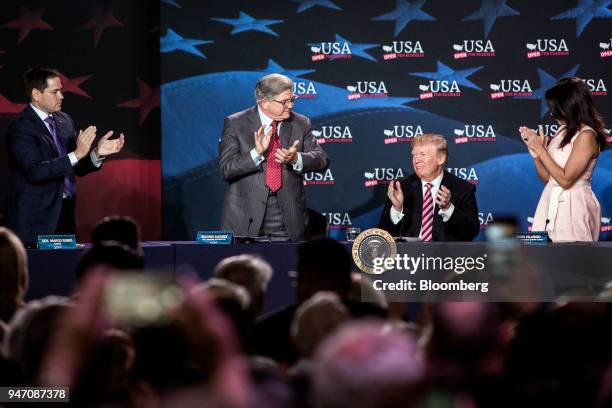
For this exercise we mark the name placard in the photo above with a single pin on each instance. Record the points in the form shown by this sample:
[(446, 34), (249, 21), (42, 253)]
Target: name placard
[(215, 237), (532, 237), (57, 241)]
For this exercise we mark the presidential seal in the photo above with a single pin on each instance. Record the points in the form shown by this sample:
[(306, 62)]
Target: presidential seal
[(371, 244)]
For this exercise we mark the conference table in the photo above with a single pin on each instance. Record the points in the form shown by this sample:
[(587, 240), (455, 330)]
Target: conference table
[(570, 264)]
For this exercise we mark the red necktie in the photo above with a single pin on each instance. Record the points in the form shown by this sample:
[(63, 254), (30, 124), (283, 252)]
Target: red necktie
[(274, 178), (427, 219)]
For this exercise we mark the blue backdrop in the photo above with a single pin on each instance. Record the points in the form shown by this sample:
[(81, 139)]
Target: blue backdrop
[(372, 75)]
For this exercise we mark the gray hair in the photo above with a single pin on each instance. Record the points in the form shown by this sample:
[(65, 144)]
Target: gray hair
[(316, 319), (269, 86), (225, 290), (249, 271)]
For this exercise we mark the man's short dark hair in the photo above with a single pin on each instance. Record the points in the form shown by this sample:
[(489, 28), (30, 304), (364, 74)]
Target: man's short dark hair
[(37, 78), (323, 265), (118, 228)]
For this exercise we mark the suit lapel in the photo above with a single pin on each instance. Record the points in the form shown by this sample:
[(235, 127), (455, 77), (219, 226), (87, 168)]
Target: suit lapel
[(285, 134), (62, 131), (417, 214), (253, 123), (41, 128)]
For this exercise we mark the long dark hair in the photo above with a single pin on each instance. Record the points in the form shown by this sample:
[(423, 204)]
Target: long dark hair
[(570, 101)]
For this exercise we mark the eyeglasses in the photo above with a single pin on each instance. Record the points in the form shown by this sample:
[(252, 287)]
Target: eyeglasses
[(286, 101)]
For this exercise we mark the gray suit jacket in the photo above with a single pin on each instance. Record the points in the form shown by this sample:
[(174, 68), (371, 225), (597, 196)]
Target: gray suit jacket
[(245, 199)]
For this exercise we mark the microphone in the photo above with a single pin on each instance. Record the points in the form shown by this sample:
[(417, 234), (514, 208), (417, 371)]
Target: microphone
[(247, 239), (251, 222), (546, 230)]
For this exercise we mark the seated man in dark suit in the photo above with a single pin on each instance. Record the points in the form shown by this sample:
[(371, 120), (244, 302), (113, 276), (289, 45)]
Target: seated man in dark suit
[(431, 204), (45, 153)]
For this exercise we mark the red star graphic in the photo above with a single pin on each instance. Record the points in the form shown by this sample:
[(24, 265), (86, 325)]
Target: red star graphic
[(73, 84), (148, 98), (101, 20), (7, 106), (28, 21)]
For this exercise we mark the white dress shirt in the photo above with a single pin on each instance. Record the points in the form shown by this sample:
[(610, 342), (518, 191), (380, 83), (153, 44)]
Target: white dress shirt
[(267, 123), (396, 216)]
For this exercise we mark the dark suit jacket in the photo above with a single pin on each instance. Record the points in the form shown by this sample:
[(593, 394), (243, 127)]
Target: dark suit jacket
[(36, 173), (463, 225), (245, 198)]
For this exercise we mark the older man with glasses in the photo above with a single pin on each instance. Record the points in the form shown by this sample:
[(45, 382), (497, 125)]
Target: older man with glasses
[(264, 152)]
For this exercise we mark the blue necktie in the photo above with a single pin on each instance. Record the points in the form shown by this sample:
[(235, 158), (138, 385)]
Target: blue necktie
[(69, 185)]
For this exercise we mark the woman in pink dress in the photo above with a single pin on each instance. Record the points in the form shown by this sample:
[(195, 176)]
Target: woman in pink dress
[(568, 210)]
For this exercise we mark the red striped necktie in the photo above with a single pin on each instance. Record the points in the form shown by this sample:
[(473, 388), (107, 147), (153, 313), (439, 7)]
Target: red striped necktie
[(427, 218), (274, 178)]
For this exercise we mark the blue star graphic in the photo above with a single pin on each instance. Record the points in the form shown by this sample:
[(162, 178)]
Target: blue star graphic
[(446, 73), (172, 3), (274, 68), (306, 4), (358, 50), (173, 42), (489, 11), (404, 13), (247, 23), (585, 11), (546, 82)]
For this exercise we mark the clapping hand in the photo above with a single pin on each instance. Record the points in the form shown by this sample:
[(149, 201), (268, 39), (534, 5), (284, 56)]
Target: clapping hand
[(106, 147), (84, 141), (396, 195), (443, 198), (533, 140), (287, 155), (262, 141)]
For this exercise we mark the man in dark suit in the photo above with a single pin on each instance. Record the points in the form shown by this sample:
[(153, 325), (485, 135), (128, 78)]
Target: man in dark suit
[(431, 204), (44, 155), (264, 152)]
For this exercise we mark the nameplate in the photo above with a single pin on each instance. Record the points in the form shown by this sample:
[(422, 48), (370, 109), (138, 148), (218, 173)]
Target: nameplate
[(214, 237), (57, 241), (532, 237)]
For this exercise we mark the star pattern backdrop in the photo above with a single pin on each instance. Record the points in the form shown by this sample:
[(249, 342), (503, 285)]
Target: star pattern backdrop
[(108, 56), (371, 76)]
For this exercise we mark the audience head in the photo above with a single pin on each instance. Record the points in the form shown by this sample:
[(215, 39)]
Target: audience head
[(222, 290), (104, 376), (323, 265), (429, 155), (315, 319), (13, 275), (110, 254), (464, 340), (234, 301), (118, 228), (366, 365), (249, 271), (571, 104), (30, 331)]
